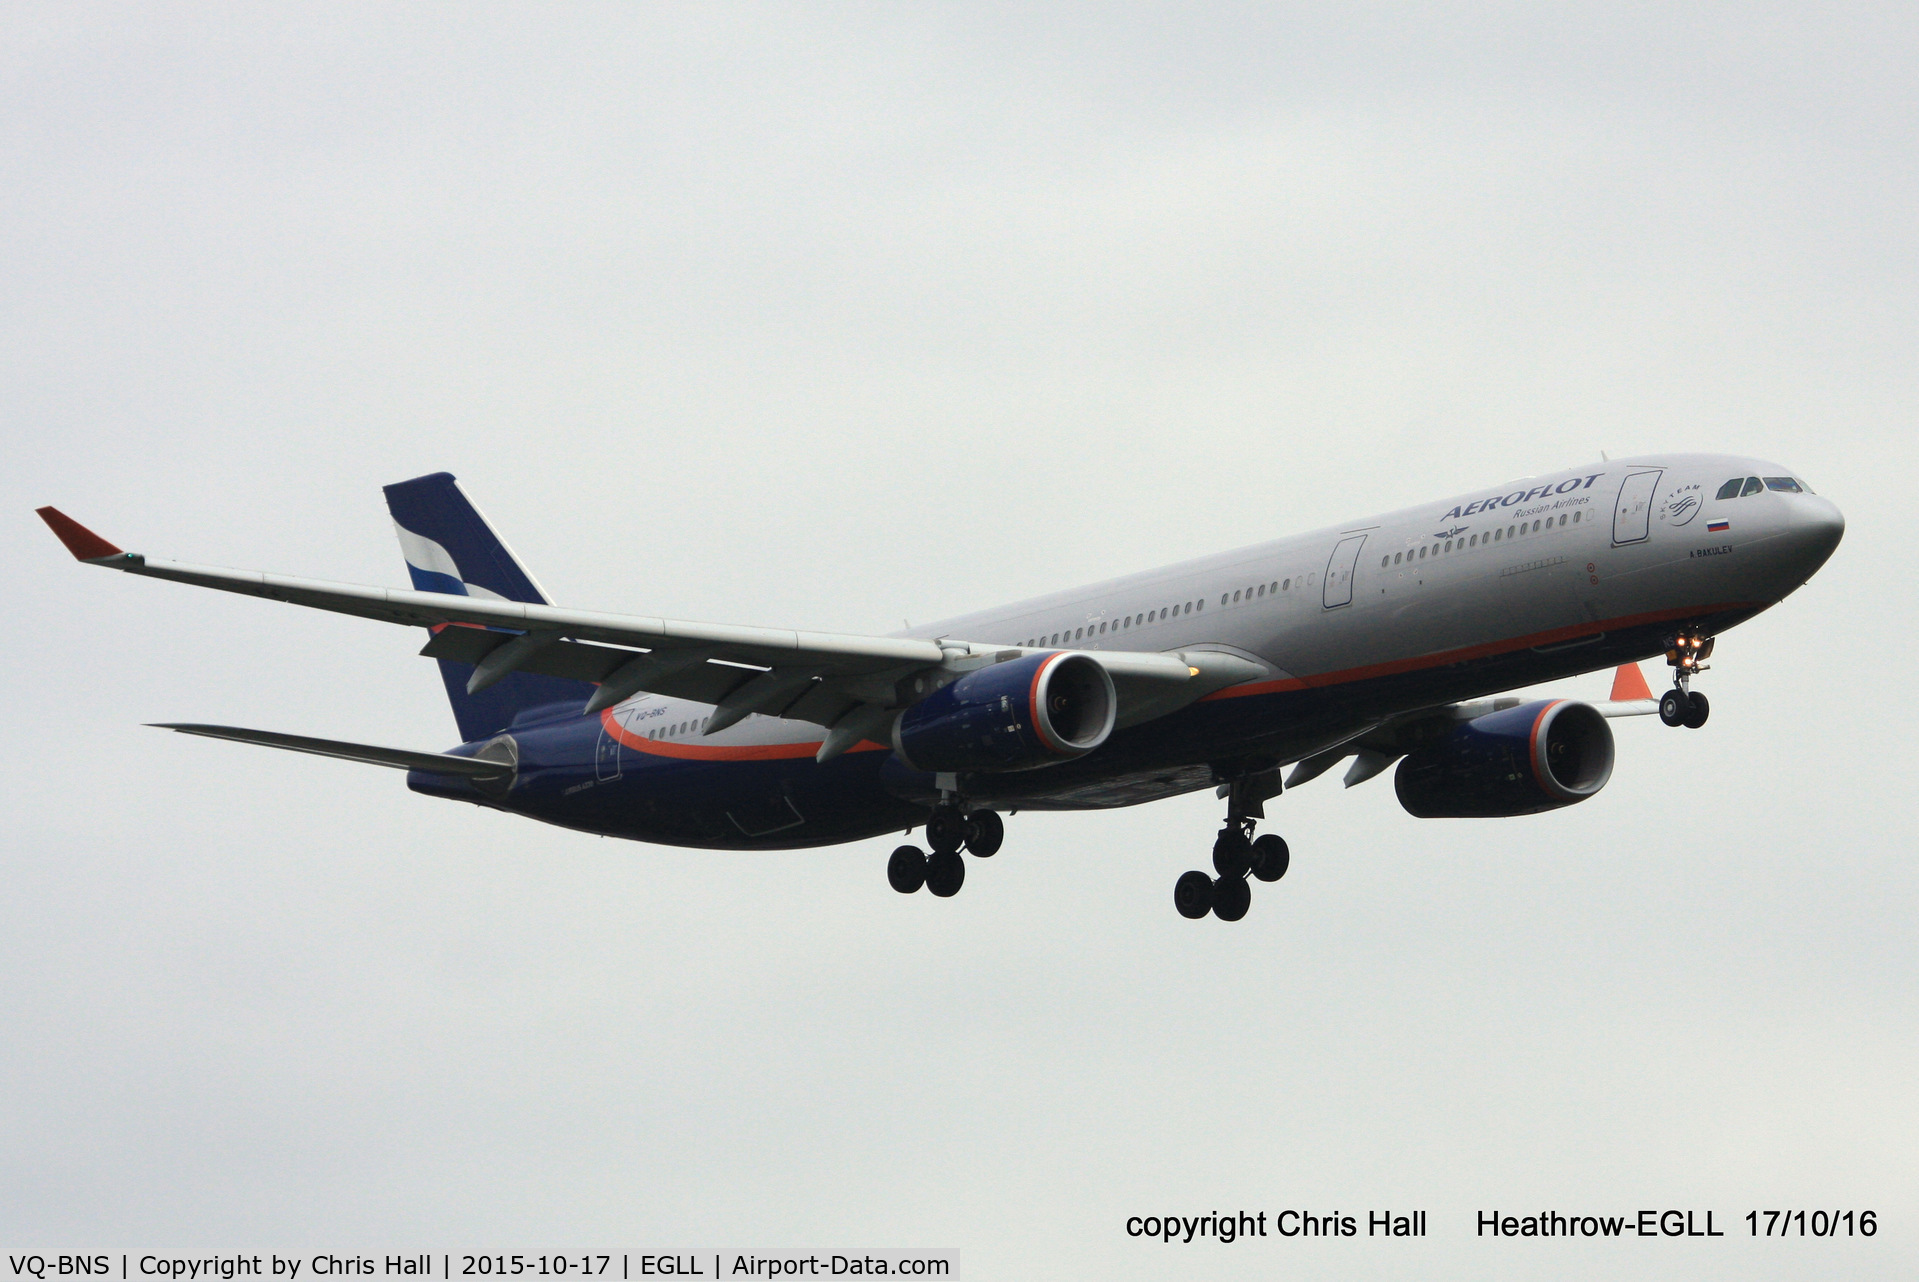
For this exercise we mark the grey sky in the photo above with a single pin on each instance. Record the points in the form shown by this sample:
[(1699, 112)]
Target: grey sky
[(830, 316)]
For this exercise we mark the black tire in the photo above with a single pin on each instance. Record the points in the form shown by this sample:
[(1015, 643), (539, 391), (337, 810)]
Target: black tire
[(1231, 898), (1270, 857), (1673, 707), (1193, 895), (1232, 853), (945, 873), (906, 870), (946, 830), (1697, 710), (984, 833)]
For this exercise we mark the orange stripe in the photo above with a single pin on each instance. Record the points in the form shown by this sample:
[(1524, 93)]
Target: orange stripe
[(1032, 704), (693, 752), (1347, 675), (1540, 773)]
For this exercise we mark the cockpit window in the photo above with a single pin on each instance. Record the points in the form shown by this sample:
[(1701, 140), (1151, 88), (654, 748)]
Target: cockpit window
[(1784, 484), (1752, 487), (1730, 490)]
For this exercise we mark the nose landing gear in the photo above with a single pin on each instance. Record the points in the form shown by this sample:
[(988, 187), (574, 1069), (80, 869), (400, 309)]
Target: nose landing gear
[(1682, 705)]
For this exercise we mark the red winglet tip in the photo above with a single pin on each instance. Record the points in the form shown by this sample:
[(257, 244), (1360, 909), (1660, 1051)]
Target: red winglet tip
[(82, 542), (1629, 683)]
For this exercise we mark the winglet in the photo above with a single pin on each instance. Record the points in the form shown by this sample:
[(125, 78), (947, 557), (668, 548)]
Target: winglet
[(1629, 683), (82, 542)]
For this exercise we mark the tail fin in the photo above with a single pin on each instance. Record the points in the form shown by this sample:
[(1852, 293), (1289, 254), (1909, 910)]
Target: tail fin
[(450, 548)]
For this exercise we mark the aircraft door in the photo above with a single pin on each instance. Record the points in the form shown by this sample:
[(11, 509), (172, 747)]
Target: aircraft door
[(1633, 510), (606, 756), (1339, 571)]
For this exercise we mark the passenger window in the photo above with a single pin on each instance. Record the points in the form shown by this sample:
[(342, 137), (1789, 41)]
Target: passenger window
[(1784, 484), (1752, 487), (1383, 560), (1575, 518), (1730, 490), (1396, 557), (1286, 585), (1235, 598)]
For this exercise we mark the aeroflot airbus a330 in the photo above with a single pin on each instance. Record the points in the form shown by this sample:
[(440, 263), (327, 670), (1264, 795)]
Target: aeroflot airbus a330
[(1381, 641)]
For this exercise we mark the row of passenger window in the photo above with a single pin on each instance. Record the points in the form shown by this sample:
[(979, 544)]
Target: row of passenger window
[(1740, 486), (673, 731), (1460, 545), (1155, 616), (1097, 629), (1257, 591)]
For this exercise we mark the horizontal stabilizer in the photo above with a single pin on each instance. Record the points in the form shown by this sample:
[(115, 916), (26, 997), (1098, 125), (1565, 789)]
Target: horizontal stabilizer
[(396, 758)]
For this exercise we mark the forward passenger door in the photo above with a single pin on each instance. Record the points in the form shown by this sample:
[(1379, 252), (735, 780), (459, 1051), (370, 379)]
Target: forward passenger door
[(1633, 510), (1339, 571)]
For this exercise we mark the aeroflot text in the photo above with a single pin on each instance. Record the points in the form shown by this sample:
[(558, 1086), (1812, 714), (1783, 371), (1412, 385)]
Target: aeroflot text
[(1522, 496)]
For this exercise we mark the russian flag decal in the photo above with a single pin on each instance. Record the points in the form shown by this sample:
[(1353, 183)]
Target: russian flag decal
[(1718, 527)]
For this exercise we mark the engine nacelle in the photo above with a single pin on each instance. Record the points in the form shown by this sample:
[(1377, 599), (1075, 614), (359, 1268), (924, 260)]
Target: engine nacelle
[(1538, 756), (1034, 711)]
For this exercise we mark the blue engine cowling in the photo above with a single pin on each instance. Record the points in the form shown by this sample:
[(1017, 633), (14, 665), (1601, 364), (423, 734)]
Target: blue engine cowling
[(1538, 756), (1017, 715)]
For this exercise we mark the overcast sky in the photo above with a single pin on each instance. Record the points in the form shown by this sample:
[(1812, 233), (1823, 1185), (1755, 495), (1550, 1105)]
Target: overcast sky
[(834, 316)]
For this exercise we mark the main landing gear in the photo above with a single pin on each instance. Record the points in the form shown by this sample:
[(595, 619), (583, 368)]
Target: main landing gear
[(1682, 705), (948, 831), (1236, 853)]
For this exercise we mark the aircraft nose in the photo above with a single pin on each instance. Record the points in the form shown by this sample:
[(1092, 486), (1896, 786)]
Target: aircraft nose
[(1815, 529)]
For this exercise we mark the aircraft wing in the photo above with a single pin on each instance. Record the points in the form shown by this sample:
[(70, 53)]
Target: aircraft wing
[(850, 684), (1375, 749)]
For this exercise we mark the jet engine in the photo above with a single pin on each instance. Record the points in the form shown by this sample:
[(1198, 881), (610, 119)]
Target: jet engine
[(1520, 761), (1028, 712)]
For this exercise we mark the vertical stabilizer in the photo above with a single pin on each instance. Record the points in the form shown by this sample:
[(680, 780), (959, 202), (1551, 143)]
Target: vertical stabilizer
[(449, 547)]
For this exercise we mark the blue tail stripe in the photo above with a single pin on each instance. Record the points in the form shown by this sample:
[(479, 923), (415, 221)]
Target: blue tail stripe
[(433, 581)]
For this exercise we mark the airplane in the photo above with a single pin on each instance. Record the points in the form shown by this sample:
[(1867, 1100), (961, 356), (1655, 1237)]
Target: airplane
[(1388, 640)]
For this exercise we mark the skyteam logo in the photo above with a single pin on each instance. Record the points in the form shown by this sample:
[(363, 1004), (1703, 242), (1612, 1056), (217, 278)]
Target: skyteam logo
[(1518, 497), (1682, 505)]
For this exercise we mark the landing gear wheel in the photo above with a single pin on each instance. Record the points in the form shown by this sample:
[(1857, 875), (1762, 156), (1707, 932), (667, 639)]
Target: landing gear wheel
[(945, 873), (984, 833), (1673, 707), (1231, 898), (946, 830), (906, 870), (1697, 710), (1232, 852), (1270, 857), (1193, 895)]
